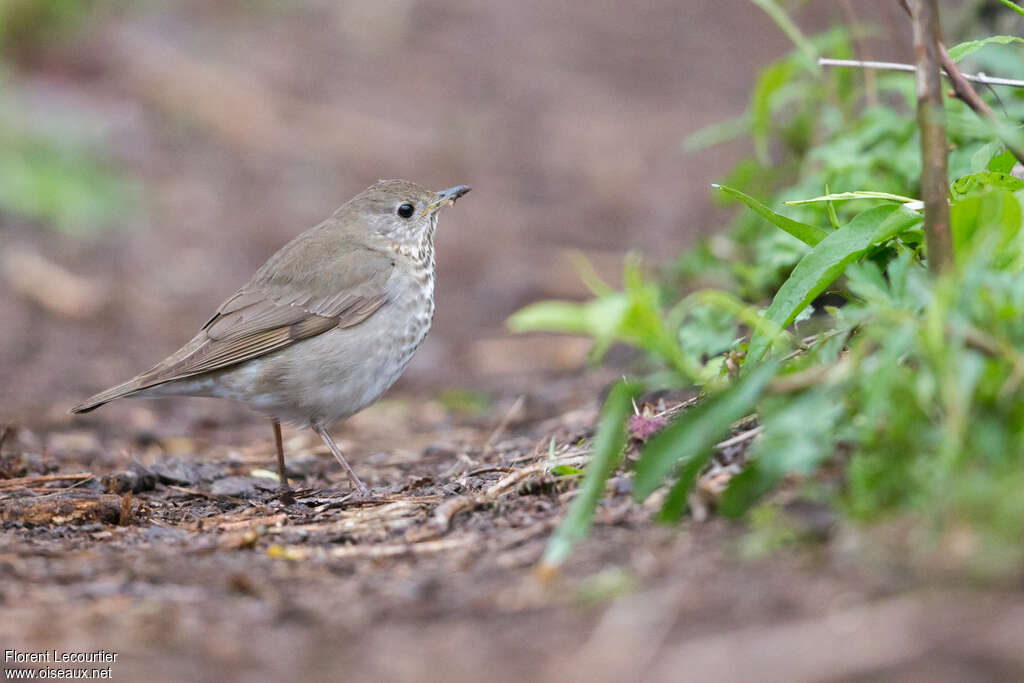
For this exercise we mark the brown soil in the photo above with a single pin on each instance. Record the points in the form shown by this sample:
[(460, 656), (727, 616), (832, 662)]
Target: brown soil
[(246, 123)]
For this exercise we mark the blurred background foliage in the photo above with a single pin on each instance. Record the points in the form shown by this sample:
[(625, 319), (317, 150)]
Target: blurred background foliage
[(50, 169)]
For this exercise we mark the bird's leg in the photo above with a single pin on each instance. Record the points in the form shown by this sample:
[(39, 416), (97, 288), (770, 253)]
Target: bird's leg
[(285, 492), (337, 454)]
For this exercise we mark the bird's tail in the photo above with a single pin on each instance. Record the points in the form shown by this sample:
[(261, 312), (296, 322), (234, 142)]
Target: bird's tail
[(137, 383)]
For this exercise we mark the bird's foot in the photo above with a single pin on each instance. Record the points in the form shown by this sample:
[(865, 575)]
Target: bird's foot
[(286, 495)]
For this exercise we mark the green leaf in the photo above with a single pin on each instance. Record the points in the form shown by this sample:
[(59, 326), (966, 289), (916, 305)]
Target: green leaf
[(686, 443), (608, 446), (566, 471), (717, 133), (982, 181), (1014, 6), (808, 234), (772, 78), (985, 219), (826, 262), (786, 25), (799, 433), (601, 318), (745, 489), (859, 194), (1002, 162), (958, 52)]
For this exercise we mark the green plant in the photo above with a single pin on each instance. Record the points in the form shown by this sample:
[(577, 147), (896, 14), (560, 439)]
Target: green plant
[(913, 388)]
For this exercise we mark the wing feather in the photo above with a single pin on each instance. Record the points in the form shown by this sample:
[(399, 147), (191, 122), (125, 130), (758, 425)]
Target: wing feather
[(340, 286)]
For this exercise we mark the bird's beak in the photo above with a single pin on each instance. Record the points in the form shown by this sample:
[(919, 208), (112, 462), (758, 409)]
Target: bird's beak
[(446, 198)]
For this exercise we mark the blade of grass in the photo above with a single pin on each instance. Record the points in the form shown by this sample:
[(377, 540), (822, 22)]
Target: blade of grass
[(859, 194), (833, 218), (687, 442), (717, 133), (827, 261), (1014, 6), (808, 234), (786, 25), (608, 446)]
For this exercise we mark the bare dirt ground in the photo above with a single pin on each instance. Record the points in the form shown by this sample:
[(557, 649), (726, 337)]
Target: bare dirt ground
[(246, 123)]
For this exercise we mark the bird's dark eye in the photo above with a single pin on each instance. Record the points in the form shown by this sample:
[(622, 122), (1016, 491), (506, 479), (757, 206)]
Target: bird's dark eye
[(405, 210)]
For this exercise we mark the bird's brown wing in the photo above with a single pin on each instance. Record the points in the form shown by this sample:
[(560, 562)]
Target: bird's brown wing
[(269, 313), (274, 311)]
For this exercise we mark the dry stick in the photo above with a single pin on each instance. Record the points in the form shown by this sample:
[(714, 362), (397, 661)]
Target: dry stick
[(982, 78), (931, 121), (500, 429), (445, 512), (25, 481)]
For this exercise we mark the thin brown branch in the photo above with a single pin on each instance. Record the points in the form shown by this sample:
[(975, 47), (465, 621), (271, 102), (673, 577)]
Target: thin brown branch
[(965, 92), (931, 121)]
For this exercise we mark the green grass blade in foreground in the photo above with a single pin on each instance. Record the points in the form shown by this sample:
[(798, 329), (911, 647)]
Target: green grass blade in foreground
[(827, 261), (858, 194), (609, 443), (686, 444), (717, 133), (1014, 6), (786, 25), (808, 234)]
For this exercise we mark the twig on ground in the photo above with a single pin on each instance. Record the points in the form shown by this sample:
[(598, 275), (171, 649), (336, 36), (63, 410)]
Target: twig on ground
[(396, 549), (43, 478), (206, 494), (500, 429), (742, 437), (244, 524), (445, 512)]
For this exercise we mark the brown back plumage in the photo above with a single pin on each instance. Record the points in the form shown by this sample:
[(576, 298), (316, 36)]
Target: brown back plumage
[(331, 276)]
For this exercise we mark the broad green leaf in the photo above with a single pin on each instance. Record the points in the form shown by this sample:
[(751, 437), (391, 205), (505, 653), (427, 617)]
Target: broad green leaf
[(859, 194), (686, 443), (984, 180), (958, 52), (808, 234), (985, 218), (1002, 162), (826, 262), (984, 156), (609, 443)]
